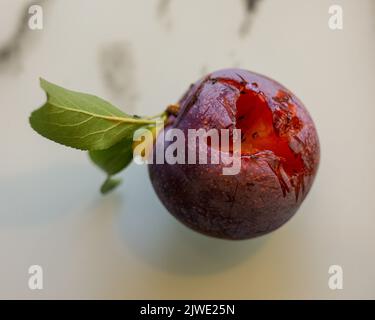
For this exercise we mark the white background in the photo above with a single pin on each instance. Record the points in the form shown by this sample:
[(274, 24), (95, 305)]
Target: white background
[(126, 245)]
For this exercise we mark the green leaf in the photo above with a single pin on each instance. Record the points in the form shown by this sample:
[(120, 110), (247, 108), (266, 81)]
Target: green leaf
[(115, 158), (82, 121), (109, 184)]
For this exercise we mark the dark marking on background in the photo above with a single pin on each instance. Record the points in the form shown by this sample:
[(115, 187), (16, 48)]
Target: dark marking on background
[(11, 51), (162, 10), (251, 7), (117, 67)]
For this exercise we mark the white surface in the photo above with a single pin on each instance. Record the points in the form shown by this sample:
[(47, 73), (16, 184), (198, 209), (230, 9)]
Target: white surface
[(126, 245)]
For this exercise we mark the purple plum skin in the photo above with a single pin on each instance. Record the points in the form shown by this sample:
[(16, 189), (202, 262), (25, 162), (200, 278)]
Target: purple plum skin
[(253, 202)]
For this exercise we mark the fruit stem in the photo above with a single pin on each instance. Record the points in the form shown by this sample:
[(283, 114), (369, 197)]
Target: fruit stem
[(173, 109)]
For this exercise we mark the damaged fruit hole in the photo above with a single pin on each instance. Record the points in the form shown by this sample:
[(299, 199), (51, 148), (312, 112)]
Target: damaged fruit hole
[(258, 133), (266, 134), (256, 121)]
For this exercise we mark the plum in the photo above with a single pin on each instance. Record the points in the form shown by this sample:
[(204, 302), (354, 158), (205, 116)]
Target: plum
[(279, 157)]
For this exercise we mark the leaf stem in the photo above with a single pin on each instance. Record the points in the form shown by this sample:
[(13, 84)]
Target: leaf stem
[(129, 120)]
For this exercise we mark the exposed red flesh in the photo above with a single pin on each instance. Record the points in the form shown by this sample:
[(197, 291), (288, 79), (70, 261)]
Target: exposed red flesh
[(264, 131)]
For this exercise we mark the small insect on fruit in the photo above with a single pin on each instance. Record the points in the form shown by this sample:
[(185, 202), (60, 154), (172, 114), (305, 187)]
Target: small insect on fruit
[(278, 149)]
